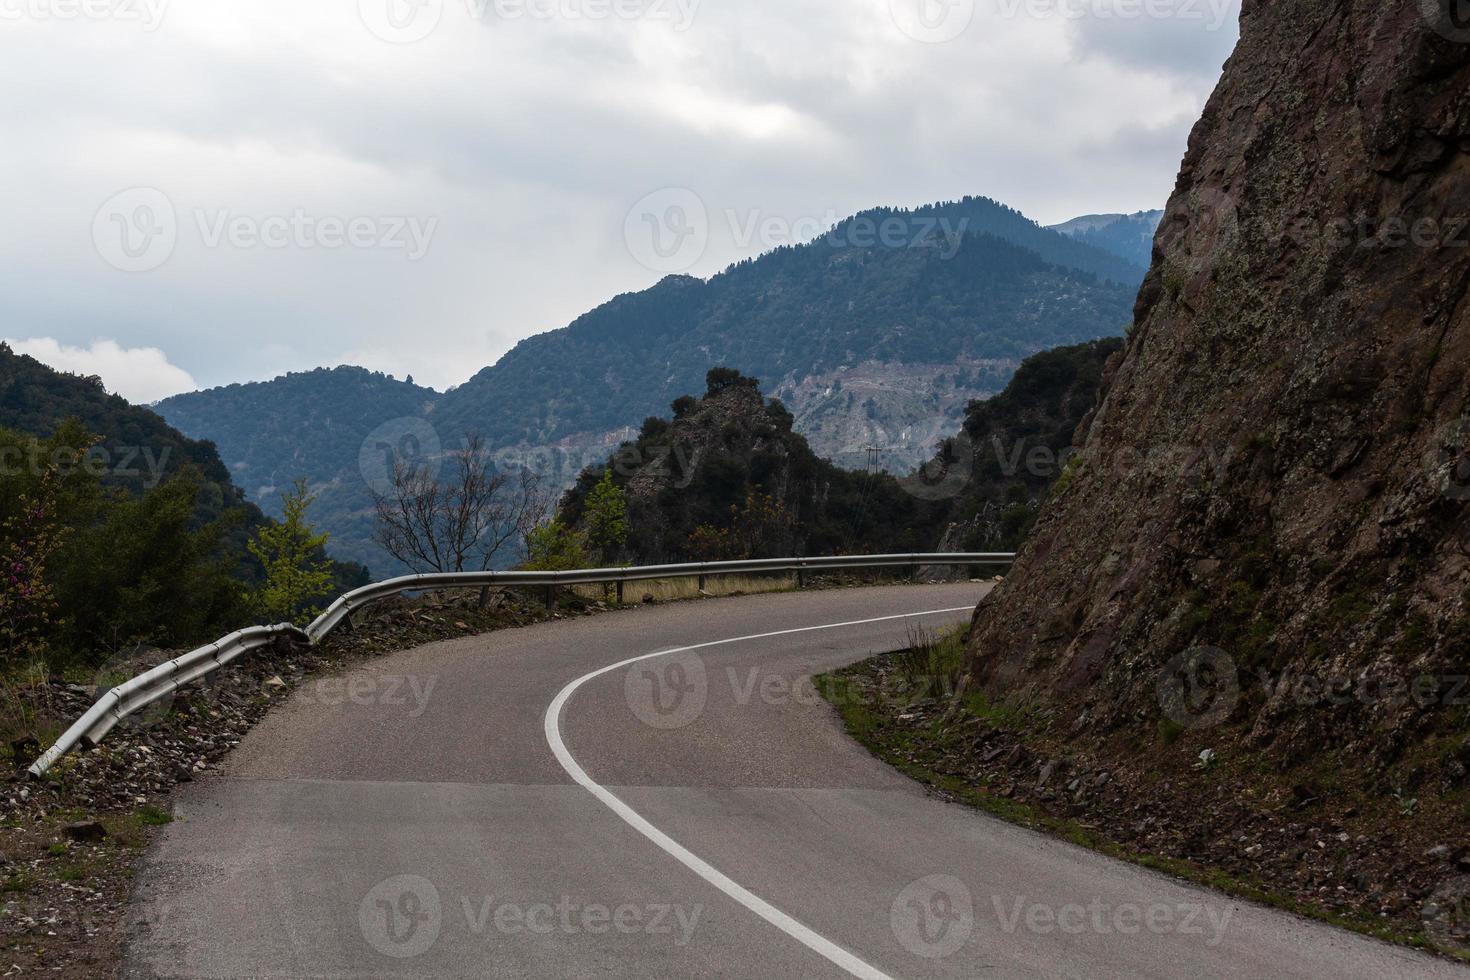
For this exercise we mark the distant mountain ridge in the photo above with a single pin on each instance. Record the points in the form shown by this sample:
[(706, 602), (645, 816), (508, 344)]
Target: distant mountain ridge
[(1128, 236), (312, 424), (809, 321), (328, 421), (134, 493), (868, 344), (983, 216), (138, 447)]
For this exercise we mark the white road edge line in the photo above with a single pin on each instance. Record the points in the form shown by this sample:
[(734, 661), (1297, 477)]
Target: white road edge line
[(758, 905)]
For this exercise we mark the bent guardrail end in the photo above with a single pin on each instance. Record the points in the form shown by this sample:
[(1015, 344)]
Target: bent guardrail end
[(149, 686)]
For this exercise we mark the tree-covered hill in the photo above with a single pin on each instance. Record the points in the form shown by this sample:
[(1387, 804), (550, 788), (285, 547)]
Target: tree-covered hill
[(1128, 236), (116, 529), (876, 334), (313, 425), (813, 309), (1019, 444), (300, 424), (982, 216), (138, 446), (728, 478)]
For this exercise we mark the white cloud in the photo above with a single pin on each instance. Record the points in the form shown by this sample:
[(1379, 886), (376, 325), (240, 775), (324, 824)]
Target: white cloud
[(140, 374)]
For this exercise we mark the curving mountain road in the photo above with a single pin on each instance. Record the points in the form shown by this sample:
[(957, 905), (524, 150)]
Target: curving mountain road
[(555, 802)]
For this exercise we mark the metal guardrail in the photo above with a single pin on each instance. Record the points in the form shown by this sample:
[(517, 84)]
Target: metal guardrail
[(168, 677), (161, 681)]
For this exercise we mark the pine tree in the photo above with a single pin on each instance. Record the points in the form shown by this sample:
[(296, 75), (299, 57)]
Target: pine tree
[(296, 569), (607, 518)]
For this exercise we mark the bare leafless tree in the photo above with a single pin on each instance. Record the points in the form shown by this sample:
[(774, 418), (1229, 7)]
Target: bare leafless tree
[(461, 520)]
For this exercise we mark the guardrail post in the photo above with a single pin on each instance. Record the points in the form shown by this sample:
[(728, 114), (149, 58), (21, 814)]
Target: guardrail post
[(620, 592), (801, 578), (702, 581), (550, 597)]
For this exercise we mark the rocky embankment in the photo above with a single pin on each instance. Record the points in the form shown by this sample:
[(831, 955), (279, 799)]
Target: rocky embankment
[(1273, 488), (1297, 841), (1263, 546)]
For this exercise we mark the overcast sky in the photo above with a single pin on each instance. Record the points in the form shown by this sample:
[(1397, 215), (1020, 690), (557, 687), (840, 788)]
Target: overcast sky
[(212, 191)]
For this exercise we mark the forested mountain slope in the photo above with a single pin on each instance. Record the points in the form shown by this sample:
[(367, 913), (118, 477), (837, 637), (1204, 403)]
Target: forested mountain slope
[(115, 529), (1128, 236), (876, 335)]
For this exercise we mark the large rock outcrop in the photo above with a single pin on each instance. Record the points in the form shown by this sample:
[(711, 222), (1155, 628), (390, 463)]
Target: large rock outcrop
[(729, 478), (1279, 466)]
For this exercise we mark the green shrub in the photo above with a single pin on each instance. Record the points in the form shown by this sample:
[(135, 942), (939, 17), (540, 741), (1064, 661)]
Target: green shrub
[(555, 547)]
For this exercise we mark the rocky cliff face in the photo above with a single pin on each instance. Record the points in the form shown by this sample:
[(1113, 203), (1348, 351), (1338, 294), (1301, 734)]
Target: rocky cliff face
[(901, 410), (1277, 479)]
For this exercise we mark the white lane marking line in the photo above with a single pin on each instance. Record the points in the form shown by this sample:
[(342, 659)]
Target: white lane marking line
[(683, 855)]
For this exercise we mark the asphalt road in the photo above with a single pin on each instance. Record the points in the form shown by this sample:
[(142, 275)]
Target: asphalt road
[(528, 803)]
